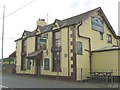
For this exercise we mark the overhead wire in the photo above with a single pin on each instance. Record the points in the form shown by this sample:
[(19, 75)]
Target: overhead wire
[(19, 9)]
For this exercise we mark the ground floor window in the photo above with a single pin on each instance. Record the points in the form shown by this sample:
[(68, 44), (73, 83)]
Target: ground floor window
[(46, 64), (79, 48), (101, 35), (56, 61), (29, 62)]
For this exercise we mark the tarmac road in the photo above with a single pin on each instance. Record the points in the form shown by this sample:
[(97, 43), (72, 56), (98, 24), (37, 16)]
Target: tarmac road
[(17, 81)]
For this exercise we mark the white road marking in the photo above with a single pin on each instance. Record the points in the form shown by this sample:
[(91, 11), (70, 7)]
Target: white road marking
[(3, 86)]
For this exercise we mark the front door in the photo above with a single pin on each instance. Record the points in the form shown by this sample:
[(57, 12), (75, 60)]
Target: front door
[(56, 61), (38, 67)]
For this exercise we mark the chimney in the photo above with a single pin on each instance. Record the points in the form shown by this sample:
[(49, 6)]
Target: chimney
[(41, 22)]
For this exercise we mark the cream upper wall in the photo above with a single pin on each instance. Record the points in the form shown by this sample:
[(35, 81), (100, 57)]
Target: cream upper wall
[(30, 45), (86, 30)]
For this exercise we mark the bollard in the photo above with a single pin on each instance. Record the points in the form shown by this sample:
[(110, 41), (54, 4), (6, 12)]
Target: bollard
[(111, 78)]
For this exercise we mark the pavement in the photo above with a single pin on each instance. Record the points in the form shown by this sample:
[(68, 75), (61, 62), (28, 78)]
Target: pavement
[(18, 81)]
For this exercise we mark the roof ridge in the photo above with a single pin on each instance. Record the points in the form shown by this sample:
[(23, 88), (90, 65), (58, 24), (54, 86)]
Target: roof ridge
[(28, 31), (75, 20), (98, 8)]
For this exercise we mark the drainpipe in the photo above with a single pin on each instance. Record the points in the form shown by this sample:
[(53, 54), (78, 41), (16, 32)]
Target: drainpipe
[(89, 40), (68, 53)]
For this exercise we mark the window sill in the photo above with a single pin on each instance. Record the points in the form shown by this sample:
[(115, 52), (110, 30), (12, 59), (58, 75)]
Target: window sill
[(47, 69), (55, 70)]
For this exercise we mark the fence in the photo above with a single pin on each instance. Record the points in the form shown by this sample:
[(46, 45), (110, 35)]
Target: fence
[(83, 74), (99, 75)]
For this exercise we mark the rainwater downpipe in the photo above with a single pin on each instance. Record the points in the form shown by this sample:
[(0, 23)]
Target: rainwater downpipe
[(89, 40)]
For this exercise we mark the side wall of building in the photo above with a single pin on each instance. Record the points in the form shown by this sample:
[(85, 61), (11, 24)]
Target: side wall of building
[(18, 55), (83, 61), (86, 30), (66, 62), (30, 47), (105, 61)]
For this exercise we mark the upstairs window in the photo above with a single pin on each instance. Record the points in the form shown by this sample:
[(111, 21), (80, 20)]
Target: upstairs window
[(56, 39), (109, 38), (29, 64), (97, 24), (79, 48), (41, 42), (24, 45)]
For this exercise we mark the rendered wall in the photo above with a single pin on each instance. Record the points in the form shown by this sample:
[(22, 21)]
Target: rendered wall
[(18, 55), (106, 61), (63, 59), (30, 48), (85, 29)]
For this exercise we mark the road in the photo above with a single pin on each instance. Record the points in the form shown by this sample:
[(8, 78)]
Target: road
[(17, 81)]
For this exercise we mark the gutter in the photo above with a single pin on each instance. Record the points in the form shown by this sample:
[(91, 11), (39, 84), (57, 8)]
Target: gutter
[(89, 40)]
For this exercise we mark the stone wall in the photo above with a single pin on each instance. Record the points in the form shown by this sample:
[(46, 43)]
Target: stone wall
[(8, 68)]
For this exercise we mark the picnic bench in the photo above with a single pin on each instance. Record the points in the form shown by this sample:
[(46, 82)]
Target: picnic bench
[(101, 76)]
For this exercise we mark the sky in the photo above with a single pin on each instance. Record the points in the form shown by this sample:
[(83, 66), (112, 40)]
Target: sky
[(23, 15)]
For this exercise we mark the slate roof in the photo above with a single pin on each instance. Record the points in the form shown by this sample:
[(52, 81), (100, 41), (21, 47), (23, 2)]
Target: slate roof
[(28, 33), (69, 21), (44, 29), (73, 21), (60, 23), (13, 54), (77, 19), (107, 49), (40, 28)]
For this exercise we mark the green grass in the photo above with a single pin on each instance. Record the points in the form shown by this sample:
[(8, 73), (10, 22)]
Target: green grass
[(7, 62)]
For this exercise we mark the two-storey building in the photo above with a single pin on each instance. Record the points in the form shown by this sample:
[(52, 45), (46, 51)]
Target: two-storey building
[(66, 47)]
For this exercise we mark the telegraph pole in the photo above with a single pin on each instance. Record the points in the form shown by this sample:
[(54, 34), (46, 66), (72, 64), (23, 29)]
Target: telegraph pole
[(3, 35), (47, 18)]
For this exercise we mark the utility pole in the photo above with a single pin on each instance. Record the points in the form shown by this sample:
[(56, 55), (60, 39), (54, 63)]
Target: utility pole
[(3, 35), (47, 18)]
